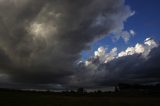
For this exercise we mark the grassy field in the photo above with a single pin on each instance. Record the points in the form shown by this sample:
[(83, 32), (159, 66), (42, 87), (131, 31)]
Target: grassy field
[(49, 99)]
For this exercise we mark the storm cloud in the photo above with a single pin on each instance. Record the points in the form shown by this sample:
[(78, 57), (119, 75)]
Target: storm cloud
[(135, 65), (41, 40)]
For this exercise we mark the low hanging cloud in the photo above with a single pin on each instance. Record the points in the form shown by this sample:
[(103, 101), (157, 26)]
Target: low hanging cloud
[(41, 40), (138, 64)]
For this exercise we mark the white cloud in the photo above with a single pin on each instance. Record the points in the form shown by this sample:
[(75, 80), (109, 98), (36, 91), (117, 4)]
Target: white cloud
[(150, 42), (87, 63), (132, 32), (121, 54), (133, 13), (100, 52), (130, 50), (143, 49), (125, 35), (111, 55), (139, 48)]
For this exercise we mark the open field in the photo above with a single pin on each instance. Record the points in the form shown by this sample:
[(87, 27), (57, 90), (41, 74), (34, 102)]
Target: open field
[(50, 99)]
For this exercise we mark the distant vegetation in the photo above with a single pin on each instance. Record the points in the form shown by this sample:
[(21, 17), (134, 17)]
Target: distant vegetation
[(124, 95)]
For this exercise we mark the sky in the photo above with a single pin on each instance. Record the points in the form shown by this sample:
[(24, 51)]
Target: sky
[(145, 22), (66, 44)]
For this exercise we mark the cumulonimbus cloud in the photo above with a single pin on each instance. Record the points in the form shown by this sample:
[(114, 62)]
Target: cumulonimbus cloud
[(40, 40)]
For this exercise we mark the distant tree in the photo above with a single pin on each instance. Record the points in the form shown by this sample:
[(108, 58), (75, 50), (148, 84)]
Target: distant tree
[(80, 90), (99, 91), (116, 88), (122, 86), (72, 91)]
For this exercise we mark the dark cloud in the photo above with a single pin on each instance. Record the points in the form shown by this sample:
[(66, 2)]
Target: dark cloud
[(134, 69), (40, 40)]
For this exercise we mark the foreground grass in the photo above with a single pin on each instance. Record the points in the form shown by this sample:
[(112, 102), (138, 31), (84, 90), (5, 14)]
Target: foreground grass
[(49, 99)]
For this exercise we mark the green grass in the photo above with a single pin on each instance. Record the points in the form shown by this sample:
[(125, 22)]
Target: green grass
[(49, 99)]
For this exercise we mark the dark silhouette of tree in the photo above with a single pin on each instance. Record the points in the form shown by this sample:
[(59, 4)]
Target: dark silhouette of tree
[(80, 90)]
